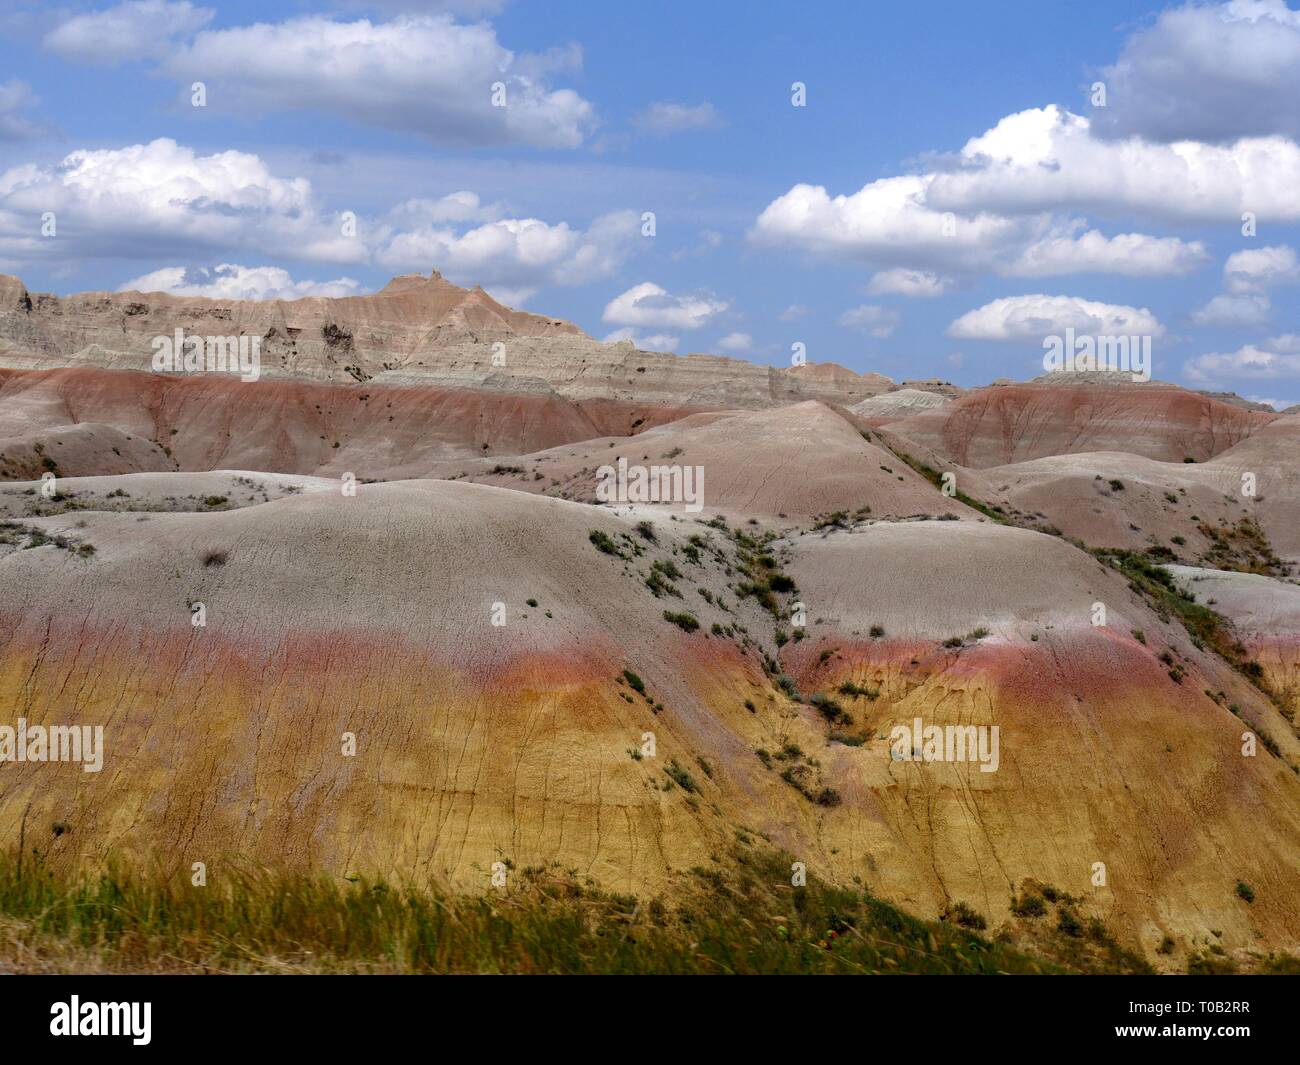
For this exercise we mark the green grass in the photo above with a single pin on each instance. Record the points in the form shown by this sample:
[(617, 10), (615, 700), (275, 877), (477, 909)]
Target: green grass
[(685, 621), (747, 919), (993, 513)]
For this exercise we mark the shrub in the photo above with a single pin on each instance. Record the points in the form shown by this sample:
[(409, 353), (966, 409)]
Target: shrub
[(963, 914), (1028, 906), (680, 777), (684, 621), (603, 543), (855, 691), (827, 707), (1245, 891), (1068, 923)]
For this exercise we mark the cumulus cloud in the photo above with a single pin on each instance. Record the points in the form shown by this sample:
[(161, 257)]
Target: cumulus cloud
[(1249, 362), (1047, 159), (736, 343), (878, 321), (233, 282), (1287, 342), (1211, 73), (663, 119), (648, 305), (517, 254), (162, 198), (901, 281), (1007, 204), (16, 99), (1036, 316), (1243, 310), (468, 8), (140, 29), (1128, 254), (165, 201), (455, 207), (645, 341), (889, 220), (794, 312), (1257, 269), (422, 74)]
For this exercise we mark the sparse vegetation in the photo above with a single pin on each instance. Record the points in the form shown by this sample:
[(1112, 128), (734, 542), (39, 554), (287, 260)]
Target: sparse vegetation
[(680, 776), (603, 543), (856, 691), (963, 914), (685, 621), (546, 921)]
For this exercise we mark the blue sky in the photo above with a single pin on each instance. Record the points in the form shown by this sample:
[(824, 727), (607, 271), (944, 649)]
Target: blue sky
[(881, 225)]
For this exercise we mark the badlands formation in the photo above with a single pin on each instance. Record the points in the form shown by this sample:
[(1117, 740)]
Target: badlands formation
[(397, 534)]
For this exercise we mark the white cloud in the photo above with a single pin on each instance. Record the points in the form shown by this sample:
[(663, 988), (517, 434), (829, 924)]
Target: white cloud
[(1047, 159), (1208, 73), (422, 74), (1128, 254), (649, 305), (517, 254), (162, 198), (140, 29), (736, 343), (455, 207), (878, 321), (16, 98), (794, 312), (901, 281), (1037, 316), (645, 341), (1233, 311), (886, 221), (165, 201), (1257, 269), (1008, 203), (1249, 362), (1287, 342), (468, 8), (1276, 404), (231, 282), (663, 119)]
